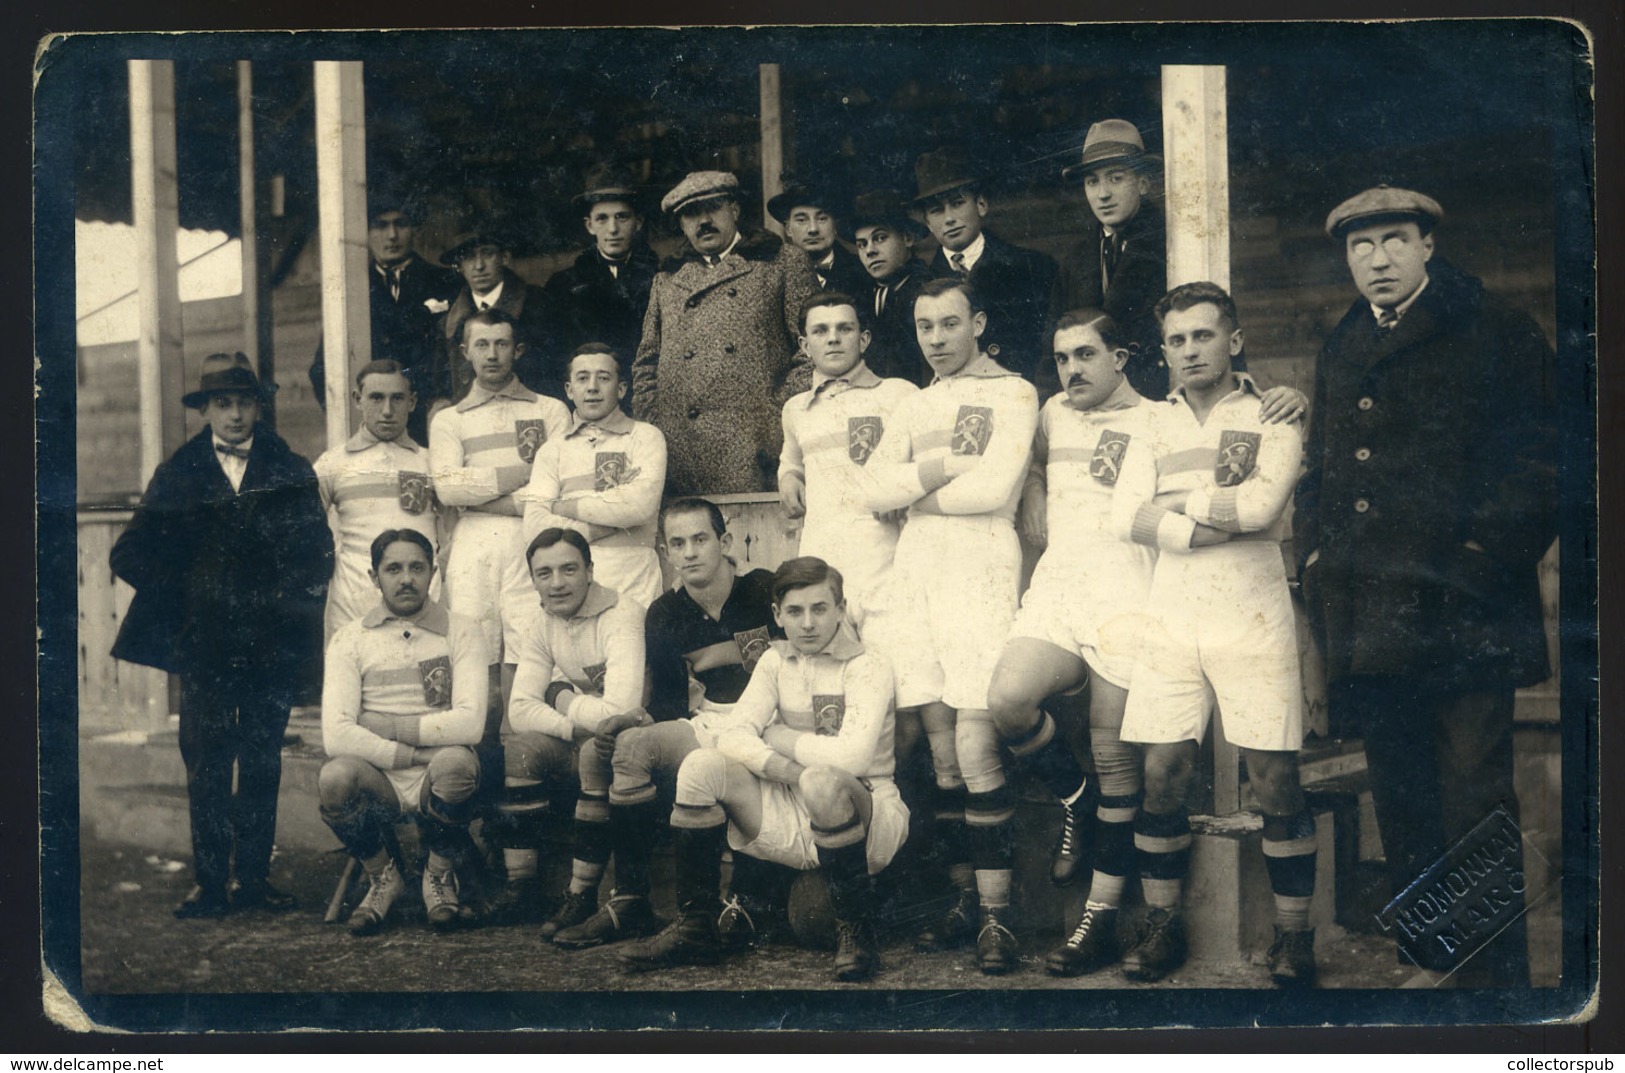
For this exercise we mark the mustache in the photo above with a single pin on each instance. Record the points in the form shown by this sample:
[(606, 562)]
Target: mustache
[(1074, 379)]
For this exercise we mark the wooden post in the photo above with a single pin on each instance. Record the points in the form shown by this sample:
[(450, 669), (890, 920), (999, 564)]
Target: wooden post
[(256, 268), (1196, 148), (772, 140), (156, 210), (341, 201), (1195, 144)]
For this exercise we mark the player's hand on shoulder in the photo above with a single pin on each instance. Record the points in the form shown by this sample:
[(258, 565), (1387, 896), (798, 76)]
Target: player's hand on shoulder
[(1282, 404)]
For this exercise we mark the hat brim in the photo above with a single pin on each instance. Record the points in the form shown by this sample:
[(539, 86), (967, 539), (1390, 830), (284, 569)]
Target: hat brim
[(450, 257), (937, 191), (589, 198), (196, 400), (779, 206), (1366, 219), (695, 199), (1076, 173)]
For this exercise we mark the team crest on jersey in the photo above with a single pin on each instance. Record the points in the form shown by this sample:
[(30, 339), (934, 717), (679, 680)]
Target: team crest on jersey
[(862, 437), (595, 674), (529, 434), (829, 712), (973, 428), (1107, 463), (752, 646), (610, 470), (1238, 455), (414, 488), (435, 674)]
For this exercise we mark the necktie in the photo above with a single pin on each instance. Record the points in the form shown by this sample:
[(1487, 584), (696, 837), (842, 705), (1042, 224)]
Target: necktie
[(483, 304), (395, 284), (1387, 319), (880, 299), (231, 450), (1111, 248), (958, 261)]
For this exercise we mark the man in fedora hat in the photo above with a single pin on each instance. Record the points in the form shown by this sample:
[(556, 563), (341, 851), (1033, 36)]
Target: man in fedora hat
[(1120, 266), (229, 555), (719, 357), (1014, 283), (408, 296), (483, 254), (1430, 497), (603, 295), (810, 214), (884, 235)]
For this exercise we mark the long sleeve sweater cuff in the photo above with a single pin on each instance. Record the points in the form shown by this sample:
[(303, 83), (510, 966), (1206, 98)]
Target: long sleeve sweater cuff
[(932, 474)]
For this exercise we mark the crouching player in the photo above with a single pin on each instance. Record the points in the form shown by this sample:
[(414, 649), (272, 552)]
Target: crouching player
[(403, 700), (803, 777), (1209, 492), (579, 682), (701, 640)]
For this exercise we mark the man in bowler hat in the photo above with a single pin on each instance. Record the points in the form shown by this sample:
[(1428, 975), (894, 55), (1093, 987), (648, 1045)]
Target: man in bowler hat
[(1120, 265), (483, 256), (229, 555), (408, 296), (1013, 282), (811, 214), (602, 296), (1428, 501)]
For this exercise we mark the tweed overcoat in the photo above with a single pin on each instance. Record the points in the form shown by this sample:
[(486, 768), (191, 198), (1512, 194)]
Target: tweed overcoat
[(718, 361), (1014, 284), (1130, 298), (1439, 431), (586, 303), (219, 574)]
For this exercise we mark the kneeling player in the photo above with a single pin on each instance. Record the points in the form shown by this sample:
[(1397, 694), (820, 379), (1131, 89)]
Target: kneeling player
[(403, 699), (804, 778), (1209, 492)]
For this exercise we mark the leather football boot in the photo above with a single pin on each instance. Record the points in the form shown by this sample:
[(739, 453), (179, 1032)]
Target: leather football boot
[(1160, 948), (691, 939), (575, 909), (1066, 859), (997, 951), (1092, 944), (953, 929), (624, 916), (856, 952), (1292, 958)]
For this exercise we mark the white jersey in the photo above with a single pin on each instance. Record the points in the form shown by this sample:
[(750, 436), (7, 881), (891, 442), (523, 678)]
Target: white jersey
[(368, 486)]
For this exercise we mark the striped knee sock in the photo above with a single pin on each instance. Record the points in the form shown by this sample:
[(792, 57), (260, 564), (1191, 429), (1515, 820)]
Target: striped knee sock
[(1162, 843), (1114, 849), (1289, 854)]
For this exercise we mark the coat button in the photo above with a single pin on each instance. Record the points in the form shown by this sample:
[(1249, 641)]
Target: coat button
[(693, 412), (729, 349), (1361, 506), (1365, 402), (1362, 454), (687, 354), (693, 302), (733, 293)]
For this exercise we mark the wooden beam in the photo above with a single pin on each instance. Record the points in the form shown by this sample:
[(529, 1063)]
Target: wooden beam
[(156, 210), (255, 255), (1195, 144), (341, 202), (772, 139)]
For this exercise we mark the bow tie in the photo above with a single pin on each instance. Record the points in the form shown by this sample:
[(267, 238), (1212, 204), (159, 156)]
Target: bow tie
[(233, 451)]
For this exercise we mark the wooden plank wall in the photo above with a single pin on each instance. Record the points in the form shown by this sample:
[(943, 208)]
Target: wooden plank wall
[(113, 695)]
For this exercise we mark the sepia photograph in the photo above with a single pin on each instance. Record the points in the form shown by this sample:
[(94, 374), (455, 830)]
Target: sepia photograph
[(1000, 527)]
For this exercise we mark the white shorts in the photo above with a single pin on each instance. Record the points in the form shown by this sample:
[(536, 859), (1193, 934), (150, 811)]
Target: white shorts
[(1234, 642), (1091, 615), (946, 608), (481, 575), (787, 838)]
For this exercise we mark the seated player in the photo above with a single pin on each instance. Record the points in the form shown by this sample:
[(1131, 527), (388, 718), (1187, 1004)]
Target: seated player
[(701, 640), (403, 702), (1209, 490), (828, 431), (377, 479), (804, 777), (580, 678), (955, 458), (602, 478)]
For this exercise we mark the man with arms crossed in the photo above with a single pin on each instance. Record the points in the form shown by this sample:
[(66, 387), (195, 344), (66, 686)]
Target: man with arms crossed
[(1209, 490), (803, 777), (403, 703)]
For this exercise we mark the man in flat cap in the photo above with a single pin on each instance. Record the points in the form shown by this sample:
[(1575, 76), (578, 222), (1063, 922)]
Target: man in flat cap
[(1120, 265), (884, 235), (602, 297), (229, 555), (483, 254), (408, 296), (1429, 499), (719, 354), (810, 214), (1013, 282)]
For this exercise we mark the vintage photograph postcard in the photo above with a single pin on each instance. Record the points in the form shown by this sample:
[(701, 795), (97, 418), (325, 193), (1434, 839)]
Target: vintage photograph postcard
[(1002, 527)]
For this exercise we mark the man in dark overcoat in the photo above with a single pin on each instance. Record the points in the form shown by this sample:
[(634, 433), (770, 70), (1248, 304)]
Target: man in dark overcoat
[(1120, 265), (719, 356), (885, 234), (483, 255), (229, 555), (1429, 499), (811, 214), (603, 295), (408, 297), (1014, 282)]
